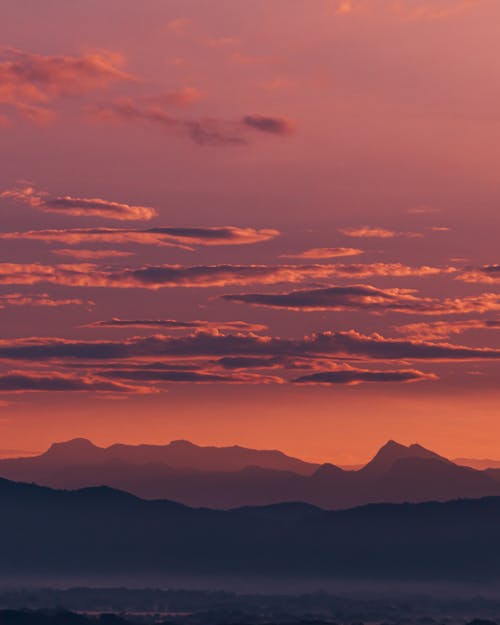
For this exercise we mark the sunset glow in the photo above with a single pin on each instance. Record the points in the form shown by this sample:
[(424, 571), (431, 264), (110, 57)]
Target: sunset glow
[(271, 224)]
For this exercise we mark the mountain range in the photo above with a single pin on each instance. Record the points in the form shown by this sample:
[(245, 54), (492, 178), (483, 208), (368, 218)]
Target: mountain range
[(229, 477), (108, 534)]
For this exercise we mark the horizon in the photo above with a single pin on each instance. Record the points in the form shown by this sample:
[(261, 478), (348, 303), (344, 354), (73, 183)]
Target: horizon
[(15, 454)]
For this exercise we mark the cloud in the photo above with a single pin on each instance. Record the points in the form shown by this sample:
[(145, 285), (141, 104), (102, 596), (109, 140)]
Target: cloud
[(489, 274), (91, 207), (30, 82), (158, 276), (344, 345), (325, 252), (172, 236), (352, 376), (163, 276), (270, 125), (42, 299), (144, 374), (366, 270), (23, 381), (91, 254), (378, 233), (204, 131), (438, 330), (274, 362), (174, 324), (249, 362), (370, 299)]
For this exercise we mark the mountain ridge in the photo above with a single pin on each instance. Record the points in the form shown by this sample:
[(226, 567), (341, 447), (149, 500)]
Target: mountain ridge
[(108, 534), (396, 473)]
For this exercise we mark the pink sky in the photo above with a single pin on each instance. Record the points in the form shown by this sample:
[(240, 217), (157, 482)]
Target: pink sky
[(324, 174)]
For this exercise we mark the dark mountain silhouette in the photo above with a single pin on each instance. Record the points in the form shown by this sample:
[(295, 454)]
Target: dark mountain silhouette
[(392, 451), (194, 476), (103, 532), (178, 454)]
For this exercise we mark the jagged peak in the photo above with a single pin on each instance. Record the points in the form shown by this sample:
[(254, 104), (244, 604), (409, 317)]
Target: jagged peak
[(393, 451)]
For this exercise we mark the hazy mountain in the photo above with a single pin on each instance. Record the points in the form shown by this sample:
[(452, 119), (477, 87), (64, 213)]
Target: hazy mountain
[(392, 451), (478, 463), (397, 473), (177, 454), (105, 533)]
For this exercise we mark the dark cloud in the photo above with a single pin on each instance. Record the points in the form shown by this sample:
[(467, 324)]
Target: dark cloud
[(326, 344), (146, 374), (270, 125), (357, 376), (22, 381), (224, 235), (209, 132), (158, 276), (489, 274), (204, 131), (368, 298), (175, 324), (249, 362)]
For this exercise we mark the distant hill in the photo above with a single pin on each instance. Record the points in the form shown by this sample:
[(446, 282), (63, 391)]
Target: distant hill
[(178, 454), (235, 476), (101, 532), (478, 463)]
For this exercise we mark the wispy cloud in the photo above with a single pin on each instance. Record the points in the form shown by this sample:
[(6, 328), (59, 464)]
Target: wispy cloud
[(24, 381), (366, 232), (173, 236), (41, 299), (31, 82), (353, 376), (489, 274), (202, 131), (325, 252), (163, 276), (91, 254), (439, 330), (81, 207), (175, 324)]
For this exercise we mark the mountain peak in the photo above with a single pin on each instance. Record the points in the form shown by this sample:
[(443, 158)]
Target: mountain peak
[(74, 449), (393, 451), (181, 443), (392, 445)]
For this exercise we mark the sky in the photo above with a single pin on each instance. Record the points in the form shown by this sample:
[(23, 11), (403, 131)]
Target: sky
[(272, 224)]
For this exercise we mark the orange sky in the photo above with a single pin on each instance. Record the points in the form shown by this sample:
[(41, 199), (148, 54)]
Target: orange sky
[(272, 224)]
